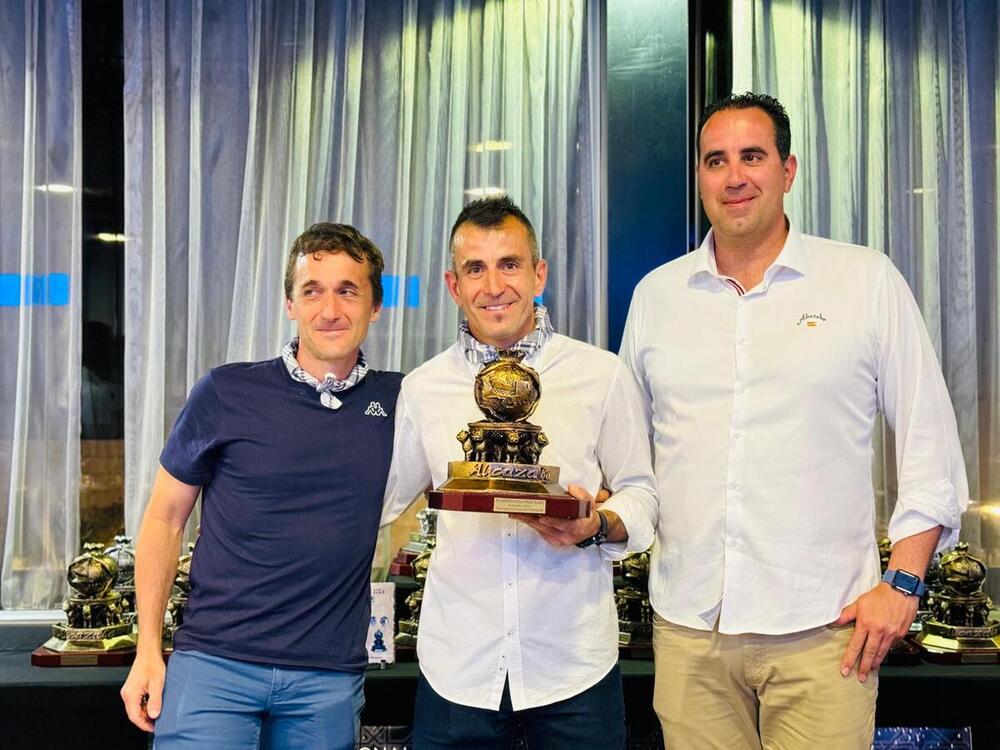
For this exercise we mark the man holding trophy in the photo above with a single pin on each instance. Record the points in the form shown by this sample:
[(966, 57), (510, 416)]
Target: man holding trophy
[(518, 623)]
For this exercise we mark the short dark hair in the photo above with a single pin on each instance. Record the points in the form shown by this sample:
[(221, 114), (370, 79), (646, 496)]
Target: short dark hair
[(490, 213), (748, 100), (325, 237)]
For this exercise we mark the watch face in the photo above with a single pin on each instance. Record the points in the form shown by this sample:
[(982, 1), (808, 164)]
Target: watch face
[(906, 580)]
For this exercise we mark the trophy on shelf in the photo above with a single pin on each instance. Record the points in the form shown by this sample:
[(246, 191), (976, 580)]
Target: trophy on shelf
[(635, 614), (95, 631), (420, 542), (501, 473), (123, 553), (406, 638), (963, 627), (179, 597)]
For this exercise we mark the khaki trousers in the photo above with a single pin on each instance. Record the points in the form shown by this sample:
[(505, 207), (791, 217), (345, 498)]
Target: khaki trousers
[(776, 692)]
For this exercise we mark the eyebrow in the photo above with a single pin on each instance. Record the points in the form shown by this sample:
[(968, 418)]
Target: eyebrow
[(743, 152)]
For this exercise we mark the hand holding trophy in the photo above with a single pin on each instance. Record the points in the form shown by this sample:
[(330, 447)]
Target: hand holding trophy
[(501, 473)]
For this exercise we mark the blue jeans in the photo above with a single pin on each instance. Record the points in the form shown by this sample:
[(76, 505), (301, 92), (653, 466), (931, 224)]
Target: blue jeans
[(593, 719), (217, 703)]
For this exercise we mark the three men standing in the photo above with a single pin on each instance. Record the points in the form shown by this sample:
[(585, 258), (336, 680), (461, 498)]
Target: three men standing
[(764, 357)]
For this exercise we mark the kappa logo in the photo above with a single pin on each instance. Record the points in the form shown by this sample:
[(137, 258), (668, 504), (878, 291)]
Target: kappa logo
[(375, 410), (811, 320)]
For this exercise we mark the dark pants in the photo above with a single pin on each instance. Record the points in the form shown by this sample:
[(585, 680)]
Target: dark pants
[(593, 719)]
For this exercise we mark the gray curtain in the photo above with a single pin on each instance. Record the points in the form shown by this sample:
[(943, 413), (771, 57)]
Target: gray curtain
[(894, 118), (40, 329), (247, 121)]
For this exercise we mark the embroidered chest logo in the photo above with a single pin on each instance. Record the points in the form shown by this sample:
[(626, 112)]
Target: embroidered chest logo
[(811, 320), (375, 410)]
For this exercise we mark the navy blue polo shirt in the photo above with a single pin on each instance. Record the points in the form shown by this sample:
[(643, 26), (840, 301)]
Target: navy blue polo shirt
[(291, 500)]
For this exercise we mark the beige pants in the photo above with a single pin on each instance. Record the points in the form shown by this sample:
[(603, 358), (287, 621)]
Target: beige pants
[(776, 692)]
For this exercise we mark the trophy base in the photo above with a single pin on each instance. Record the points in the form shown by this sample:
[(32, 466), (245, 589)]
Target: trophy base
[(943, 649), (635, 639), (48, 657), (481, 487)]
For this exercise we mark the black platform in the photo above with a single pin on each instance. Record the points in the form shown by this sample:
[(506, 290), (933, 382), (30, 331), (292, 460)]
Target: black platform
[(79, 707)]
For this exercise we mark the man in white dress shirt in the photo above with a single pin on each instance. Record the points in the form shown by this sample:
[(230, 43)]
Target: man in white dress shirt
[(518, 623), (764, 357)]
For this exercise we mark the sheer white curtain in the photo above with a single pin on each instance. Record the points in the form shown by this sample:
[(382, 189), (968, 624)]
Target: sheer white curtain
[(894, 119), (247, 121), (40, 329)]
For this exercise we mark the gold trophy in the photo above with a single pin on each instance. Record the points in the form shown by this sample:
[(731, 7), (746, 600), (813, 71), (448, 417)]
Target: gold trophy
[(963, 627), (174, 615), (635, 614), (95, 631), (501, 473)]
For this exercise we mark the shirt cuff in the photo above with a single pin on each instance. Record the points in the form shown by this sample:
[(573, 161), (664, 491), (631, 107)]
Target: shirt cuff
[(911, 522), (640, 530)]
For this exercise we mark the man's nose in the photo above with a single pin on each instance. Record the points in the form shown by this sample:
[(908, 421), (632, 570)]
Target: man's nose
[(735, 175), (331, 306), (493, 283)]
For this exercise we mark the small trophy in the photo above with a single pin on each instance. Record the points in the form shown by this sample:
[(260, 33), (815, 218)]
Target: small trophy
[(179, 597), (500, 473), (95, 632), (420, 542), (406, 638), (635, 614), (963, 627), (123, 553)]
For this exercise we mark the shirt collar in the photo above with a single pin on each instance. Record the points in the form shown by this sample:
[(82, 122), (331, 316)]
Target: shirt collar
[(792, 256), (330, 384), (478, 353)]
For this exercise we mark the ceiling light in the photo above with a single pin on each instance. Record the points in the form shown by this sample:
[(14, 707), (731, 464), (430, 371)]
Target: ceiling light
[(55, 187)]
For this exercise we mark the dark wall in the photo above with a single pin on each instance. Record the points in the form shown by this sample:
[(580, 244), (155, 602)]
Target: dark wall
[(647, 131)]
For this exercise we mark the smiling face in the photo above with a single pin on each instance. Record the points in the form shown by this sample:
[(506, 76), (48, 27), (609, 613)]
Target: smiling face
[(332, 303), (741, 177), (495, 282)]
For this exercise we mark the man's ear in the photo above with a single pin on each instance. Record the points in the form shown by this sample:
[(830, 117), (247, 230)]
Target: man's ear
[(451, 281)]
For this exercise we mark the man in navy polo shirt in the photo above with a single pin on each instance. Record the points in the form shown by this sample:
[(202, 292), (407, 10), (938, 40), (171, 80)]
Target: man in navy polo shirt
[(291, 455)]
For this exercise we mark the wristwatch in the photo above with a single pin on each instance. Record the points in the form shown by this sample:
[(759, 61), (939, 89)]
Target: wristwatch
[(600, 537), (903, 580)]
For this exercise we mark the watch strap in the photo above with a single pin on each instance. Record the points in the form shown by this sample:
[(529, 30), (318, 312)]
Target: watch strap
[(600, 536)]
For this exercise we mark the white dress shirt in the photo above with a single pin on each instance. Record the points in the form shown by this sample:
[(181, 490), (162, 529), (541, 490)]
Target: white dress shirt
[(500, 603), (762, 408)]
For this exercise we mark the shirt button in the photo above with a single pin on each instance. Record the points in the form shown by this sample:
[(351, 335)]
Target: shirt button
[(733, 485), (509, 584), (740, 388), (732, 543), (737, 435), (741, 341)]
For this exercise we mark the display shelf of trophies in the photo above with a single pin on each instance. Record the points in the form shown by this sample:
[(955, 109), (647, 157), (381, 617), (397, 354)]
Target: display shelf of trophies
[(957, 622), (101, 622)]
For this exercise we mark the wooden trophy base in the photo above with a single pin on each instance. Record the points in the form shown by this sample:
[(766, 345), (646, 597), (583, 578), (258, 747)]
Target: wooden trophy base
[(480, 487), (46, 657)]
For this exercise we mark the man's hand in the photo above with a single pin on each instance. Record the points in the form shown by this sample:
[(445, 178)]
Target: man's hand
[(143, 691), (564, 532), (881, 617)]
